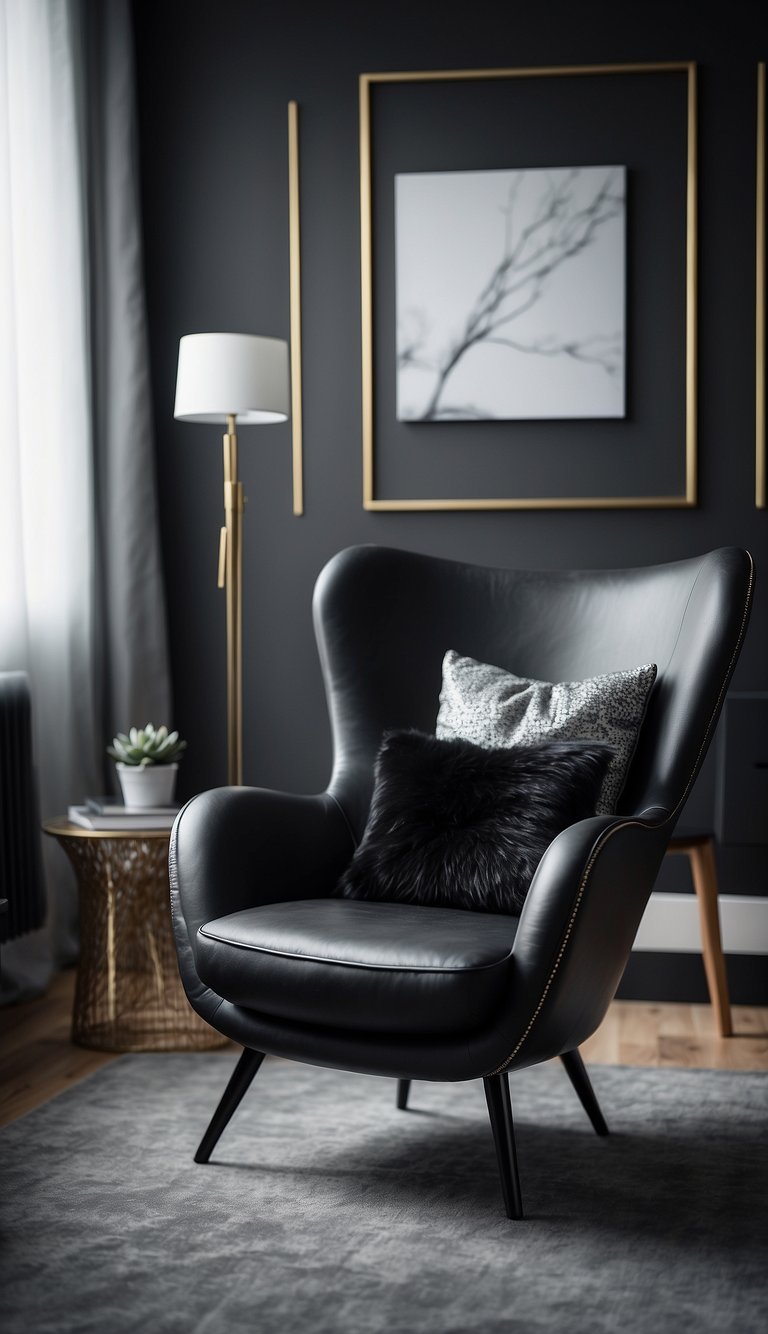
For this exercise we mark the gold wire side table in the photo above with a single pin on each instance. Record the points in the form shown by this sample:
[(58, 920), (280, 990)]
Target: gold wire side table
[(128, 993)]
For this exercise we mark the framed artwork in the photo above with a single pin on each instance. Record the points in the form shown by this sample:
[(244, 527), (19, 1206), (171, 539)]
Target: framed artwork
[(528, 249), (531, 323)]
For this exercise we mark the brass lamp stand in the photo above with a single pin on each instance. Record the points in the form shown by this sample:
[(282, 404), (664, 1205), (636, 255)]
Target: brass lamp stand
[(223, 377), (231, 578)]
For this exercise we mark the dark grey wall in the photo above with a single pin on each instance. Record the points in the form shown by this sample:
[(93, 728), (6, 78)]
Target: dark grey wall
[(214, 81)]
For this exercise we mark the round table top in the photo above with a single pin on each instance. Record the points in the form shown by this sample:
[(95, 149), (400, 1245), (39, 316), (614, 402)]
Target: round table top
[(63, 828)]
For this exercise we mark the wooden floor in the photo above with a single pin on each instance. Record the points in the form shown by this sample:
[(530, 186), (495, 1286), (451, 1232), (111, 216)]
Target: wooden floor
[(38, 1059)]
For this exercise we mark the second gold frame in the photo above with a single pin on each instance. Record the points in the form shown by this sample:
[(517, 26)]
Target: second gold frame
[(688, 494)]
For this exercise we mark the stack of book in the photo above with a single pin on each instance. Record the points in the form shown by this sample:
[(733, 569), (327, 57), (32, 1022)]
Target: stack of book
[(108, 813)]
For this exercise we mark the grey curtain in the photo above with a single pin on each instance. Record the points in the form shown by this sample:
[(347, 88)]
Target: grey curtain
[(132, 642), (110, 667)]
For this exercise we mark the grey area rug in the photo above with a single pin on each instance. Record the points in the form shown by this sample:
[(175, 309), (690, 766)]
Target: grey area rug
[(326, 1209)]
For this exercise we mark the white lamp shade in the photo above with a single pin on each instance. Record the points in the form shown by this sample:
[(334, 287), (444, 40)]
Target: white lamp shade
[(224, 375)]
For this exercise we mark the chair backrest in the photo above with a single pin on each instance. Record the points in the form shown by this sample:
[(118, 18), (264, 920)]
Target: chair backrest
[(384, 619)]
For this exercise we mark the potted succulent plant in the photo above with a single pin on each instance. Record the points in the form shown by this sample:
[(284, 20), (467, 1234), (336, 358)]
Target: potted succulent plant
[(147, 765)]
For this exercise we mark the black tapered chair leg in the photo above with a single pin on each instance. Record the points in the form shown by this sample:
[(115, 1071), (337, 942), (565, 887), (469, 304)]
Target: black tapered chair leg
[(403, 1086), (500, 1112), (239, 1083), (577, 1073)]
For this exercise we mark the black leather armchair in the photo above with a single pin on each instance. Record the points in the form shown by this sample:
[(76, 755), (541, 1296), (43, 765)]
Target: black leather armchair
[(271, 960)]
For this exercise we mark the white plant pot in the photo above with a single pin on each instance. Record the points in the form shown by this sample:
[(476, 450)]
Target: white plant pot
[(154, 785)]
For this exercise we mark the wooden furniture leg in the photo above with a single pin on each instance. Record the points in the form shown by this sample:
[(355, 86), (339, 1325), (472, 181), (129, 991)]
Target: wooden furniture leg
[(700, 851)]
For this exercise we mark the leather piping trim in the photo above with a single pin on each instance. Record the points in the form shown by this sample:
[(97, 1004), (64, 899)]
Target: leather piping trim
[(629, 824), (354, 963), (173, 869)]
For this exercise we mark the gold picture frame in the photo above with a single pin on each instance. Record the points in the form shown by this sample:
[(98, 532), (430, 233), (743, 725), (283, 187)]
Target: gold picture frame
[(688, 495), (760, 459)]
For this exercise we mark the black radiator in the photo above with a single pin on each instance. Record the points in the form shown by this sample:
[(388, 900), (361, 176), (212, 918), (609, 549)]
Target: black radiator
[(21, 867)]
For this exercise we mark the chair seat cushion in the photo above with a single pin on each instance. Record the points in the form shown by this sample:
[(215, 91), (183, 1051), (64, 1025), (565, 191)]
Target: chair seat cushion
[(382, 967)]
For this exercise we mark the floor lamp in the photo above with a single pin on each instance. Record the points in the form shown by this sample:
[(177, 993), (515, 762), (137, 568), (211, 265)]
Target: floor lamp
[(231, 378)]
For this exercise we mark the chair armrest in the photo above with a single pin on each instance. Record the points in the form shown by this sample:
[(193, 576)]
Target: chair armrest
[(577, 928), (237, 847)]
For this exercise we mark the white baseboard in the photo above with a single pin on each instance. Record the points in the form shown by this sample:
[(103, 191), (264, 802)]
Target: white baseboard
[(671, 922)]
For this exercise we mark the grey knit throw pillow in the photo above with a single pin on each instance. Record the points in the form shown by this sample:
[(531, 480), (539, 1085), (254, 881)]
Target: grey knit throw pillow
[(493, 708)]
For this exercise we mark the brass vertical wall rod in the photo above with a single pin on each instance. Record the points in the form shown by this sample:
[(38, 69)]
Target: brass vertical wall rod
[(761, 489), (294, 237)]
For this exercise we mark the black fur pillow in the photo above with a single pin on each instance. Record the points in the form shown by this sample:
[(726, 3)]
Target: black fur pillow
[(455, 825)]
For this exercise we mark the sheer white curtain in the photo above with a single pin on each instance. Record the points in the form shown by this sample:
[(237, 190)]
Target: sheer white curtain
[(76, 582)]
